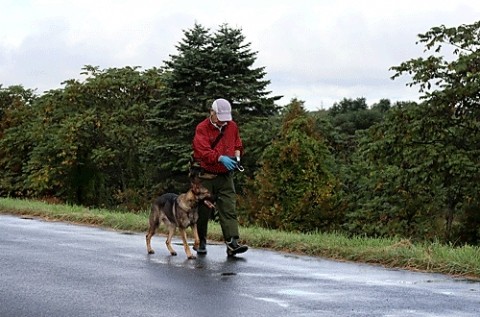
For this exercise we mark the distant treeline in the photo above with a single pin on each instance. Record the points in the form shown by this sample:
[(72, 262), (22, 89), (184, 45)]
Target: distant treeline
[(123, 135)]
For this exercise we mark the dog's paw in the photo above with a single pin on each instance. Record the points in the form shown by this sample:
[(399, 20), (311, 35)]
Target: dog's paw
[(151, 251), (173, 253), (192, 257)]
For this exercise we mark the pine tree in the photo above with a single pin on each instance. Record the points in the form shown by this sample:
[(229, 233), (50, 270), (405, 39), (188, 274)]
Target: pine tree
[(206, 67), (238, 80), (185, 79), (294, 188)]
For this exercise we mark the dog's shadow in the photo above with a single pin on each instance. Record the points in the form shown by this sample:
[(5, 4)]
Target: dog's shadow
[(223, 267), (214, 263), (170, 261)]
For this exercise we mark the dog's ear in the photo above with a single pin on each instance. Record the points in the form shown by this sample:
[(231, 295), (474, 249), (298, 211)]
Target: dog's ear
[(195, 169), (194, 179)]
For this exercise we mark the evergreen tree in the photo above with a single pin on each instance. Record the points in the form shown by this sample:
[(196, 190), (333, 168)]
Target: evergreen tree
[(238, 81), (293, 190), (206, 67), (182, 102)]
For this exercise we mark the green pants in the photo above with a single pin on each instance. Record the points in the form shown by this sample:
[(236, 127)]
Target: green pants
[(222, 189)]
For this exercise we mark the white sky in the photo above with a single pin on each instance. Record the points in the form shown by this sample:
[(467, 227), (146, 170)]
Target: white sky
[(317, 51)]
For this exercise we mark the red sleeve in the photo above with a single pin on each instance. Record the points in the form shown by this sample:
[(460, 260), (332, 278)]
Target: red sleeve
[(202, 147)]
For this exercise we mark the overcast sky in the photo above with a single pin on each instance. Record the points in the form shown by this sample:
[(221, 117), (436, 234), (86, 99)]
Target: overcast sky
[(314, 50)]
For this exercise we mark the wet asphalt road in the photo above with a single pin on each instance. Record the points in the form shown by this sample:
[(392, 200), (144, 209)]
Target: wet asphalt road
[(58, 270)]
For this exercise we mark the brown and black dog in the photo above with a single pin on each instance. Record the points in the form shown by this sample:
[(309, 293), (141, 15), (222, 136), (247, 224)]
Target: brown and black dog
[(178, 211)]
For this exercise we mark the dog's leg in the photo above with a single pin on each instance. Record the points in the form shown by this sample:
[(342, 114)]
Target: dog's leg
[(153, 225), (149, 238), (171, 231), (196, 238), (183, 234)]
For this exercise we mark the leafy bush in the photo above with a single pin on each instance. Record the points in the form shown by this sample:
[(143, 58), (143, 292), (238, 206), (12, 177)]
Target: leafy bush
[(294, 187)]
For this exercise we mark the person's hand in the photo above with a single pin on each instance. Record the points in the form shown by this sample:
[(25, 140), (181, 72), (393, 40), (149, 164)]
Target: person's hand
[(227, 162)]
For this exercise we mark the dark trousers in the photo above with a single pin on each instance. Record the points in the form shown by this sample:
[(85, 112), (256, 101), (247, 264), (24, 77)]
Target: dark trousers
[(223, 189)]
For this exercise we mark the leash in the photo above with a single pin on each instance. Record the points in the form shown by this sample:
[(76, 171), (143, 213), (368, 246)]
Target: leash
[(239, 167)]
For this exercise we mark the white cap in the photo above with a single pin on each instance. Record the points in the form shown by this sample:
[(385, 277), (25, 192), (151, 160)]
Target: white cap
[(223, 109)]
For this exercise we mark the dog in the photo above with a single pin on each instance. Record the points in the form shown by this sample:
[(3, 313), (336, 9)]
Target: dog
[(178, 211)]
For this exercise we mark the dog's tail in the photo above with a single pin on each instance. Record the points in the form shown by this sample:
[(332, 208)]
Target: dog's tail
[(154, 219)]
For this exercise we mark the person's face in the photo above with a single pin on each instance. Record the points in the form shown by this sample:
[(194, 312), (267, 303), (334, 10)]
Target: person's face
[(215, 118)]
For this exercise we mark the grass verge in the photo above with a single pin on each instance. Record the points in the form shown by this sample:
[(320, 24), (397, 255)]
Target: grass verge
[(394, 253)]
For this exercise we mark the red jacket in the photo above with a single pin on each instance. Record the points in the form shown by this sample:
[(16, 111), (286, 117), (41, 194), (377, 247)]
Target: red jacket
[(205, 134)]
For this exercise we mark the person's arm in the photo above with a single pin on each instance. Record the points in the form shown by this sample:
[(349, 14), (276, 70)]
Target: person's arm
[(202, 147)]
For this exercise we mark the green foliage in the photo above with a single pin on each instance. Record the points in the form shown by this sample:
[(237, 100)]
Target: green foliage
[(349, 117), (348, 105), (89, 141), (293, 188), (13, 97), (423, 160), (450, 85), (257, 134), (16, 112), (417, 175), (391, 185), (382, 106)]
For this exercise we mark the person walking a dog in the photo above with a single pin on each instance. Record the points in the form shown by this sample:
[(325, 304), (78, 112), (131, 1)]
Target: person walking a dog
[(217, 148)]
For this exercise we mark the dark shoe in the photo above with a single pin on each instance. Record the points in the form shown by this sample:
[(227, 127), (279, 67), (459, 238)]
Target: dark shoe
[(234, 248), (202, 248)]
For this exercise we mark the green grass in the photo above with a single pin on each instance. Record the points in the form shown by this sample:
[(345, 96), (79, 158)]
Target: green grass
[(395, 253)]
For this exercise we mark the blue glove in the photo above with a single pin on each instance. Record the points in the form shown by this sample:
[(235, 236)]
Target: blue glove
[(227, 162)]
